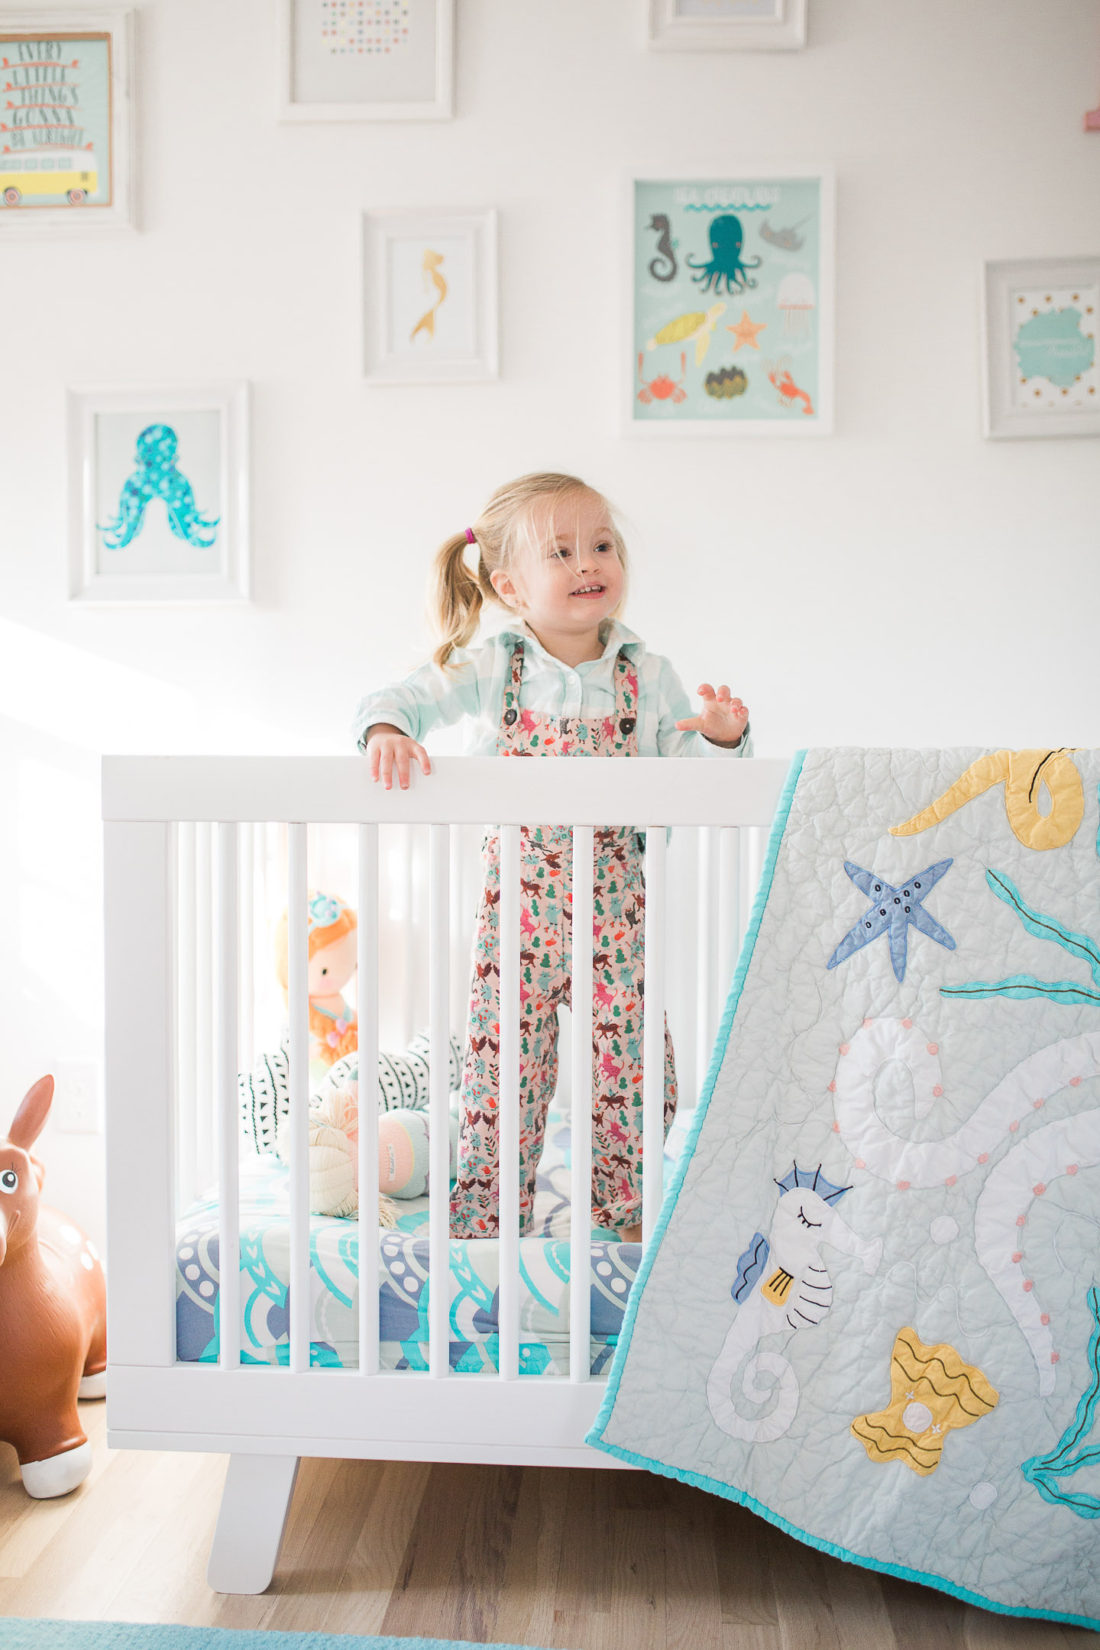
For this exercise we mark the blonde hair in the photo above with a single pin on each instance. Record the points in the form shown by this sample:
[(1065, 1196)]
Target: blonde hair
[(506, 527)]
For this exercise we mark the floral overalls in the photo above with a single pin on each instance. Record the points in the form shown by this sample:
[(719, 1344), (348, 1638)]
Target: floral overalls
[(546, 901)]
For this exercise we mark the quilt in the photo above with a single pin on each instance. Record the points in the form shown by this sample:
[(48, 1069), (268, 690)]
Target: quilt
[(871, 1307)]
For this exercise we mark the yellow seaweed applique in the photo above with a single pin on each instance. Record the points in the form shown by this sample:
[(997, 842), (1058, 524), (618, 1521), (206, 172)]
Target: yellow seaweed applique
[(933, 1391), (1024, 775)]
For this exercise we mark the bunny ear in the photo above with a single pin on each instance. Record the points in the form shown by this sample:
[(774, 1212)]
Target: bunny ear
[(30, 1119)]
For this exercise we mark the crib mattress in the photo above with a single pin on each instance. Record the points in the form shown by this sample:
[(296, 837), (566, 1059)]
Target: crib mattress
[(403, 1280)]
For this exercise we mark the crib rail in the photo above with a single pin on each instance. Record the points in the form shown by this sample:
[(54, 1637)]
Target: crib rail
[(168, 818)]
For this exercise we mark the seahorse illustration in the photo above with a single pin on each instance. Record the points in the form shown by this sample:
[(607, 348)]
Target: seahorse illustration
[(1022, 1175), (432, 277), (781, 1285), (1025, 774), (663, 266)]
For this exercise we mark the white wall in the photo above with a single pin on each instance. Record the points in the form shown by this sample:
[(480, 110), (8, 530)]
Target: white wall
[(901, 582)]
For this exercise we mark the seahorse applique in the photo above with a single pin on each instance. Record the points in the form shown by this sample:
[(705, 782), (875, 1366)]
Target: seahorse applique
[(781, 1284)]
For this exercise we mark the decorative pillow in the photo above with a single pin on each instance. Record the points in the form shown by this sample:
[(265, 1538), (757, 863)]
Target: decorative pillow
[(402, 1084)]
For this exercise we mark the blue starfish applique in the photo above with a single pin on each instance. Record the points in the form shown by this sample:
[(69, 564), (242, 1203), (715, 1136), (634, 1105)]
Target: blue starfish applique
[(891, 912)]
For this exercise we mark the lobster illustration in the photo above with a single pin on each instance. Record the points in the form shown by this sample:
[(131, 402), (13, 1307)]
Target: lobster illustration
[(789, 391)]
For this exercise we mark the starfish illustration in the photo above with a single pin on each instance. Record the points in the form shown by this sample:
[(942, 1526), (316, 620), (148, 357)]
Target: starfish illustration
[(891, 912), (745, 331)]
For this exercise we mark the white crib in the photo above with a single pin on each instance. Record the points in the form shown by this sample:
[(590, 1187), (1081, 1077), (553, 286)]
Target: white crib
[(188, 842)]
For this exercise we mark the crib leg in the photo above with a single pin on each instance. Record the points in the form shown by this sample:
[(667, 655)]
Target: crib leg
[(249, 1532)]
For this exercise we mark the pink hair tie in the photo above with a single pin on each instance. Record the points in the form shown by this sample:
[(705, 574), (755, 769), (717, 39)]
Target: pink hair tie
[(470, 539)]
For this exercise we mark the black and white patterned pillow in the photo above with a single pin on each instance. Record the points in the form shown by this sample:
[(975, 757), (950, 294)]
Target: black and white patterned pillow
[(403, 1083)]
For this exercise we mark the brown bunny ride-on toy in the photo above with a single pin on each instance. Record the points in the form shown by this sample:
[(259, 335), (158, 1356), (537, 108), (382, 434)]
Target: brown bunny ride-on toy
[(53, 1321)]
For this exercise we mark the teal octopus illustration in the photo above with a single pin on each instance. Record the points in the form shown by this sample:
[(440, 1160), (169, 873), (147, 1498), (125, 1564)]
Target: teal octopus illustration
[(156, 476), (726, 270)]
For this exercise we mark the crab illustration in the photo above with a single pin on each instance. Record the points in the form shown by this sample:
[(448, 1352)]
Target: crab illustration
[(663, 388)]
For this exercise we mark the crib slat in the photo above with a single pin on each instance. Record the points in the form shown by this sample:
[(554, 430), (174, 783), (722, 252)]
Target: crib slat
[(204, 1004), (187, 1111), (225, 1095), (367, 905), (580, 1122), (439, 1134), (508, 1103), (729, 911), (706, 936), (653, 1036), (298, 995), (246, 995)]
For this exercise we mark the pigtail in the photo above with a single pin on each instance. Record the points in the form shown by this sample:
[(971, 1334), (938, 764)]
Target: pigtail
[(458, 598)]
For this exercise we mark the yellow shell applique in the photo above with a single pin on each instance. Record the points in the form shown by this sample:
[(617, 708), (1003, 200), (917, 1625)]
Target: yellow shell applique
[(933, 1391), (1025, 775)]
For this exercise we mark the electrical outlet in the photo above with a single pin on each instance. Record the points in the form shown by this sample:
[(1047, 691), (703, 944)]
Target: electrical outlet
[(76, 1096)]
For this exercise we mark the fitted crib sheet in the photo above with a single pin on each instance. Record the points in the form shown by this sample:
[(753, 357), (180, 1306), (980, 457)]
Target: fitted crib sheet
[(403, 1279)]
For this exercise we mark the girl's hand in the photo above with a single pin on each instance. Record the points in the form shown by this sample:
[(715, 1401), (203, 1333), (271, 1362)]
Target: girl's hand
[(722, 720), (388, 748)]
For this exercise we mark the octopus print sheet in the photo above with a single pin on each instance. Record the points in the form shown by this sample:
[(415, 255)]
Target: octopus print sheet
[(871, 1308), (732, 314)]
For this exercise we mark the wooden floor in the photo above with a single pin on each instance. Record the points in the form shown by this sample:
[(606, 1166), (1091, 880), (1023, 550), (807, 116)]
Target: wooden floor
[(582, 1560)]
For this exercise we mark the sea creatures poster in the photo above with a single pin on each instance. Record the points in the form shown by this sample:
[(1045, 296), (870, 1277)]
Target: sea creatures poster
[(55, 121), (733, 303)]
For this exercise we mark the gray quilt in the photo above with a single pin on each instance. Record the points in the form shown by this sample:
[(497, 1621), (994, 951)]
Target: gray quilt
[(888, 1213)]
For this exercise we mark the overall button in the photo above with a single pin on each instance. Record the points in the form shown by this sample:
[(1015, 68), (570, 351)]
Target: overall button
[(509, 717), (626, 725)]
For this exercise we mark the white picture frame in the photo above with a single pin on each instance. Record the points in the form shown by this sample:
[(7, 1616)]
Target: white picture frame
[(159, 495), (332, 68), (1040, 371), (85, 186), (775, 376), (726, 25), (430, 296)]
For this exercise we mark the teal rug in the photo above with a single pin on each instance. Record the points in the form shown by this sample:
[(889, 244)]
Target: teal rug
[(122, 1635)]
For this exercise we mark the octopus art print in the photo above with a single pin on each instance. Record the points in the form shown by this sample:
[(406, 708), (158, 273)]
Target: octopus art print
[(727, 269), (156, 476)]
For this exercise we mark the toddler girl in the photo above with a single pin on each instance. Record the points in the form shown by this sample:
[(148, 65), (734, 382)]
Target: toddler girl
[(563, 678)]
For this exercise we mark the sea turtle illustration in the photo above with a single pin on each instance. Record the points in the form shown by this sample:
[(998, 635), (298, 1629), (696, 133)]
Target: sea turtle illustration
[(696, 326)]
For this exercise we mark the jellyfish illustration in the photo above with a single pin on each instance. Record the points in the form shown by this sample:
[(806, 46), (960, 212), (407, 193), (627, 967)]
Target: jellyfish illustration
[(156, 476), (725, 264), (797, 302)]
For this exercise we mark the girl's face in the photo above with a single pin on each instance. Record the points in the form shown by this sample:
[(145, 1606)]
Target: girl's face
[(568, 577)]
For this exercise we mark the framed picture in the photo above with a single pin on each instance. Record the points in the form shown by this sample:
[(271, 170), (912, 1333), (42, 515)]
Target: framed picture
[(65, 122), (726, 25), (366, 59), (158, 495), (1041, 375), (430, 296), (731, 306)]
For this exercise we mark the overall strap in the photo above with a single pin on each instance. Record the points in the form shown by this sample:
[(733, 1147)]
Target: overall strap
[(509, 710), (626, 705)]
